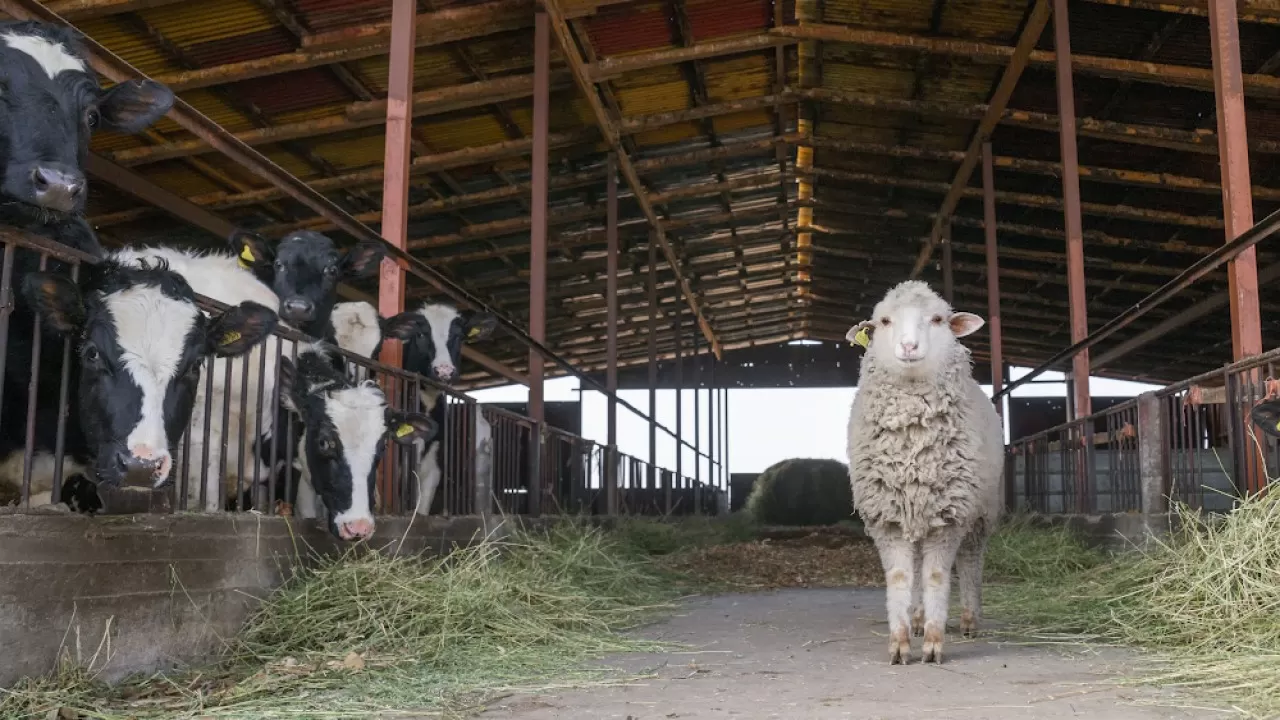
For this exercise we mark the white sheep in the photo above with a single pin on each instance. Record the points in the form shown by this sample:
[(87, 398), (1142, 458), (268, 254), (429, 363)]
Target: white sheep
[(926, 452)]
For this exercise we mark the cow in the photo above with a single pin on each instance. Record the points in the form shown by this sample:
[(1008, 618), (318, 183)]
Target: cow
[(140, 341), (343, 428), (298, 277)]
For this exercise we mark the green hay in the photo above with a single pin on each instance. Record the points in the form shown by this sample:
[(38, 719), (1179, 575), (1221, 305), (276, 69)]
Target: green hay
[(802, 492), (375, 634), (1204, 604)]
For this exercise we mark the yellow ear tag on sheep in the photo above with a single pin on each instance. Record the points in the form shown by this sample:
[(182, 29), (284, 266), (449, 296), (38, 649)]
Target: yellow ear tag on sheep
[(403, 430), (246, 257), (230, 337), (473, 332), (1278, 425), (862, 338)]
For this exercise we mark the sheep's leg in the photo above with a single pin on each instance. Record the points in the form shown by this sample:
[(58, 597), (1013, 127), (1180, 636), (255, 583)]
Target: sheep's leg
[(917, 596), (969, 567), (897, 555), (939, 557)]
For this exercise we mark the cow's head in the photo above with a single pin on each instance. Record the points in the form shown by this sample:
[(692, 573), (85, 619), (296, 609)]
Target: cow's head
[(346, 426), (304, 270), (433, 337), (140, 340), (50, 104)]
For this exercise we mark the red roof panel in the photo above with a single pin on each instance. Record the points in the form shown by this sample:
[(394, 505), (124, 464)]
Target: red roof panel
[(290, 92), (622, 29), (250, 46)]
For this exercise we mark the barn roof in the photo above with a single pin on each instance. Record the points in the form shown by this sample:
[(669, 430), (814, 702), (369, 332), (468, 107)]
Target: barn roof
[(797, 168)]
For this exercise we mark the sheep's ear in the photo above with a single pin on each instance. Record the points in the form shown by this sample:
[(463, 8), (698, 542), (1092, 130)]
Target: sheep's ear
[(1266, 415), (963, 323), (860, 334)]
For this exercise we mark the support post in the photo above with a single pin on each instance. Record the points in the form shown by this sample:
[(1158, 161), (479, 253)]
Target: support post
[(1071, 208), (538, 249), (713, 473), (1152, 461), (611, 344), (948, 279), (395, 203), (1237, 201), (728, 468), (697, 425), (679, 339), (653, 363), (993, 274)]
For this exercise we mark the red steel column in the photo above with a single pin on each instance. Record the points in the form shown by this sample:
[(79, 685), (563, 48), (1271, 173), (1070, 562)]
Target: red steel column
[(1237, 201), (1071, 206), (653, 361), (993, 273), (679, 339), (948, 279), (611, 344), (395, 200), (538, 247)]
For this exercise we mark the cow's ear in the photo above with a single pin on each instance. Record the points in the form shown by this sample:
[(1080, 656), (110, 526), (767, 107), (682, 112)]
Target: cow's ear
[(57, 301), (478, 325), (406, 325), (405, 428), (362, 260), (236, 331), (134, 105), (251, 250)]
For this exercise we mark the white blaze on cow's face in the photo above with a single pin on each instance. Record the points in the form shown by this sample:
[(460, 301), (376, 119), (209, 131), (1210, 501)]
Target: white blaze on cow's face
[(140, 342), (433, 337), (913, 330), (346, 426)]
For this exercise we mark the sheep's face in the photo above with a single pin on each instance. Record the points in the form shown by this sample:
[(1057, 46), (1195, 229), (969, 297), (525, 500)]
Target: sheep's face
[(913, 331)]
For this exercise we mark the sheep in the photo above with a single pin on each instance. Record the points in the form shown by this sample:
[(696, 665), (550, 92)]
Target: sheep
[(926, 451)]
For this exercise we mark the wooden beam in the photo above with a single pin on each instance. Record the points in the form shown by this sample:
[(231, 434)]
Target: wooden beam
[(90, 9), (1264, 12), (995, 108), (609, 130)]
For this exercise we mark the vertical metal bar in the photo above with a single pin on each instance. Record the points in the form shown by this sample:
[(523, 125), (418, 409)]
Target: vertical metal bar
[(611, 344), (697, 424), (679, 383), (1071, 207), (395, 194), (713, 468), (993, 274), (6, 308), (728, 464), (653, 359), (948, 279), (64, 409), (538, 247), (32, 390), (1233, 152)]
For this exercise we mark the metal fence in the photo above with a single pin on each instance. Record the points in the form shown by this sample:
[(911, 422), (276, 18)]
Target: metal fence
[(486, 455), (1198, 432)]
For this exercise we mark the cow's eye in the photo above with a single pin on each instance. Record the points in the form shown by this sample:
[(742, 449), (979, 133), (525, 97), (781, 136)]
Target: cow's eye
[(90, 354), (92, 118), (326, 446), (331, 270)]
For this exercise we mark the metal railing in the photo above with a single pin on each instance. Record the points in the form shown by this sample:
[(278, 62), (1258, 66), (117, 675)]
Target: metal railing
[(1201, 448)]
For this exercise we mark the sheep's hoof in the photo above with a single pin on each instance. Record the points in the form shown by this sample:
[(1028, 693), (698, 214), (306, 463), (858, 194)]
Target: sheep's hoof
[(917, 623), (899, 647), (932, 646), (968, 624)]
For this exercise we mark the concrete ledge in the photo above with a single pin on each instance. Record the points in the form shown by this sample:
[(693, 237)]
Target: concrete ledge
[(165, 587)]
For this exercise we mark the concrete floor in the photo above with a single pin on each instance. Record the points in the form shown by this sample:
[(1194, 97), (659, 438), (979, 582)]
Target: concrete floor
[(821, 655)]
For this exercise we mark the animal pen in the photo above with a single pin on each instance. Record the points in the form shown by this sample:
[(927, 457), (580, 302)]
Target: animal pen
[(675, 193)]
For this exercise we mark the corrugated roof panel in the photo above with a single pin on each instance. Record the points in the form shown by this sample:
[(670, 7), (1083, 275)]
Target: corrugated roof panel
[(351, 152), (106, 141), (177, 177), (188, 23), (291, 92), (430, 69), (669, 134), (123, 40), (311, 113), (711, 19), (623, 29), (741, 77), (463, 132), (653, 76), (292, 163), (239, 48), (893, 15), (893, 83), (959, 82), (667, 97), (990, 20), (743, 120), (218, 111), (324, 15)]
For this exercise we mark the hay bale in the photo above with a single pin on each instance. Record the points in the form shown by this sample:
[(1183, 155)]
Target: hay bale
[(802, 492)]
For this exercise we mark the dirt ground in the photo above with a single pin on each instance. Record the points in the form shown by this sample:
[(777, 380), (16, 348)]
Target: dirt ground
[(820, 654)]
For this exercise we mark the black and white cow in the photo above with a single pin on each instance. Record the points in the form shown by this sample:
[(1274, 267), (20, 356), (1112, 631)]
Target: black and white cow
[(299, 277), (344, 426), (139, 344)]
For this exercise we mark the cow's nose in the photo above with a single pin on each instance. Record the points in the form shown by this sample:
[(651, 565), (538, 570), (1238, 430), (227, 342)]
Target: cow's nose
[(358, 529), (57, 187), (144, 465), (296, 310), (444, 372)]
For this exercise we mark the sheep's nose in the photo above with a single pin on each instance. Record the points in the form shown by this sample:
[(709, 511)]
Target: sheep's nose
[(909, 346)]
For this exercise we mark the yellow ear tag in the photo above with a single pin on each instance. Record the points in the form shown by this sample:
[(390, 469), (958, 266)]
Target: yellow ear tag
[(862, 338), (246, 256), (403, 430), (1278, 426), (473, 332), (230, 337)]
